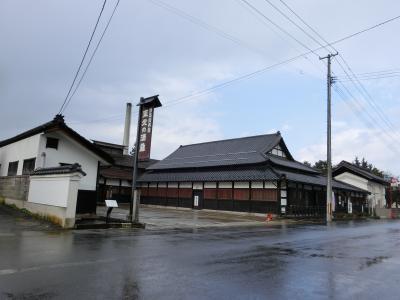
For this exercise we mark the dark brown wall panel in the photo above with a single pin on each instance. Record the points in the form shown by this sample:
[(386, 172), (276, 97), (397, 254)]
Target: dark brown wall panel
[(241, 194), (172, 193), (225, 194), (185, 193), (210, 193), (264, 194), (152, 192), (162, 192)]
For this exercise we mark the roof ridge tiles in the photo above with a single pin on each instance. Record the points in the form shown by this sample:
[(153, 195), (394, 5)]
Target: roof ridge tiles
[(200, 156), (231, 139)]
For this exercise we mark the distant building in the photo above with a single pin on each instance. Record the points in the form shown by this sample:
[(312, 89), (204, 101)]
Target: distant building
[(250, 174), (348, 173), (54, 144), (116, 179)]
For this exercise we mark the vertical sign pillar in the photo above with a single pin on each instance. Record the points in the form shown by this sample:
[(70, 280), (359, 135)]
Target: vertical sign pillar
[(142, 147)]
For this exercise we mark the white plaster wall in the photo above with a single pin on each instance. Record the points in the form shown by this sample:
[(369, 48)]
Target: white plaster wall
[(54, 196), (113, 182), (353, 180), (377, 197), (49, 190), (71, 152), (24, 149)]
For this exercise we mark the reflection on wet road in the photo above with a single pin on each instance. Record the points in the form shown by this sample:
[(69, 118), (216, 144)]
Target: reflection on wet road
[(344, 261)]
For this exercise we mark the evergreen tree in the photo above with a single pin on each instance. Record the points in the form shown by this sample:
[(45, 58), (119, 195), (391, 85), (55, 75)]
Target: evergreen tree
[(321, 165)]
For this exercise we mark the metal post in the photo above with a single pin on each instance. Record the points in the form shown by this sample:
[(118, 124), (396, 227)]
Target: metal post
[(328, 144), (134, 205)]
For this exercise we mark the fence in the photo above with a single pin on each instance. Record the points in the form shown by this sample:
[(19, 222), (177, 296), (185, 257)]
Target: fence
[(14, 187), (305, 211)]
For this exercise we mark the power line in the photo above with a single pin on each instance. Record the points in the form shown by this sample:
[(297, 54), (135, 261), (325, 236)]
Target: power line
[(389, 71), (277, 25), (92, 56), (260, 71), (359, 87), (84, 55), (361, 118), (370, 77), (293, 22), (206, 26)]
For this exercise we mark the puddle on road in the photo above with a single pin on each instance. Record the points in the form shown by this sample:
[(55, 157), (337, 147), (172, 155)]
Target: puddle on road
[(38, 295), (258, 260), (371, 261)]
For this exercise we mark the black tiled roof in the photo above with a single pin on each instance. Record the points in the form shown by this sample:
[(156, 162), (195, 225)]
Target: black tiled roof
[(317, 179), (67, 169), (344, 166), (247, 150), (58, 124), (291, 164), (216, 174)]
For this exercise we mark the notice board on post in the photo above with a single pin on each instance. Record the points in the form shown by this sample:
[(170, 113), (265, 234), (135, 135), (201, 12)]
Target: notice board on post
[(147, 106)]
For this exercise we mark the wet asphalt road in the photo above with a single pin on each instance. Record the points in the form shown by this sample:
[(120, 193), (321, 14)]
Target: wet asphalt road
[(349, 260)]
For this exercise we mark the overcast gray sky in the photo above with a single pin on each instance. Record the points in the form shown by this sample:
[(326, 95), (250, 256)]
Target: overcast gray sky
[(151, 50)]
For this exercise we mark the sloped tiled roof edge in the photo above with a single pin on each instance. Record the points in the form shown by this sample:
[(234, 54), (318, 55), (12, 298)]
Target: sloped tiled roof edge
[(67, 169), (229, 152), (58, 124), (317, 179), (345, 165), (249, 173)]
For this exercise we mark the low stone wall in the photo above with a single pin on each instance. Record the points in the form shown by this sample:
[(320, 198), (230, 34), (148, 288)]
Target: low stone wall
[(388, 213), (383, 213), (14, 187), (50, 193)]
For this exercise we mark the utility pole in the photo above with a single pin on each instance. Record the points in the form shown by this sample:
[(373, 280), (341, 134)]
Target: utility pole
[(328, 143)]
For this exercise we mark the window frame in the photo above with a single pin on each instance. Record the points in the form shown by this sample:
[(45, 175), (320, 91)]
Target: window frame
[(16, 169), (28, 160), (50, 140)]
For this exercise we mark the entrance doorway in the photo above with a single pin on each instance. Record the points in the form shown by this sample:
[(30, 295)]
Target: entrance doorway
[(197, 199)]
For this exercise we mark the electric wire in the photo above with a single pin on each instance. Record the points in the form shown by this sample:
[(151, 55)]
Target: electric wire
[(92, 56), (83, 57), (204, 25), (195, 94), (353, 78)]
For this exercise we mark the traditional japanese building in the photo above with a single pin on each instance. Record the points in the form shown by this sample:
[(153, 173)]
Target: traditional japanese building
[(115, 180), (250, 174), (364, 179)]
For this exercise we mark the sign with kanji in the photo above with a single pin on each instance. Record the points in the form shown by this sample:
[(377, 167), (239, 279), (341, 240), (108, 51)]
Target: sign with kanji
[(146, 126)]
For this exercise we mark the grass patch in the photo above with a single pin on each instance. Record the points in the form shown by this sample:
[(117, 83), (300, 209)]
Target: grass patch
[(49, 219), (353, 216)]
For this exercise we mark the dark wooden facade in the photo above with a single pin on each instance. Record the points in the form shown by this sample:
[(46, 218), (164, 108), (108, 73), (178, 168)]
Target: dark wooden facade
[(259, 200), (303, 200)]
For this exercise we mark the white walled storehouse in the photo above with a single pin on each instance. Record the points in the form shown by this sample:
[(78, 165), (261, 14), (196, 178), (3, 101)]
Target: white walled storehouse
[(53, 144), (364, 179)]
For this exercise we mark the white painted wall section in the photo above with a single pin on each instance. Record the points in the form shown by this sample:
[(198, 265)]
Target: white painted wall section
[(69, 152), (354, 180), (18, 151)]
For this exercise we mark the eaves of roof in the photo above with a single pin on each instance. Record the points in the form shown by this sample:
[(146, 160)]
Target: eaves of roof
[(58, 124), (346, 166), (215, 174)]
